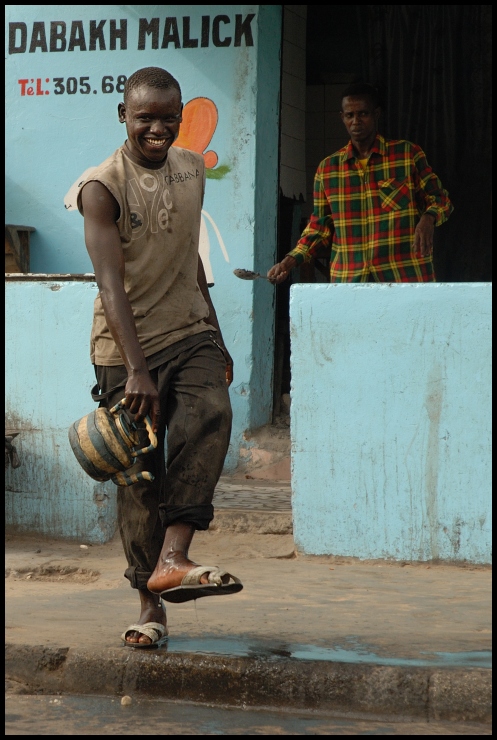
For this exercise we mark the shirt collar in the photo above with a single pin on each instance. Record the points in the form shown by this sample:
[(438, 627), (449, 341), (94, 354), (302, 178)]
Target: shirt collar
[(378, 147)]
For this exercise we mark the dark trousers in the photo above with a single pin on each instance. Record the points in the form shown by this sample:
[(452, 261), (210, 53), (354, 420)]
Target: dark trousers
[(196, 417)]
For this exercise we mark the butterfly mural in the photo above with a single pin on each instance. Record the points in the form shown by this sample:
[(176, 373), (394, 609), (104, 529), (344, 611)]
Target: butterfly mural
[(197, 128), (200, 118)]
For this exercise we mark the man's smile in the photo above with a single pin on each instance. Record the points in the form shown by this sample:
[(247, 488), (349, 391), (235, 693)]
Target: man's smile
[(158, 143)]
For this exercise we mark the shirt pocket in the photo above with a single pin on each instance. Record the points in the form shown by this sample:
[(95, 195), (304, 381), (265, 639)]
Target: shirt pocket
[(395, 195)]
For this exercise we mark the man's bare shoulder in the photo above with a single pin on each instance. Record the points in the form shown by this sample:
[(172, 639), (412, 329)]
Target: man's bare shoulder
[(97, 202)]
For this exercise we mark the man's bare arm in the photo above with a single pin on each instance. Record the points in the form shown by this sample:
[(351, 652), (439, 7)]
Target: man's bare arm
[(103, 243)]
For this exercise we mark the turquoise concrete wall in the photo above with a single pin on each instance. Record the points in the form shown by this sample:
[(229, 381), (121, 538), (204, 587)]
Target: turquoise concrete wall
[(48, 381), (390, 420), (227, 53)]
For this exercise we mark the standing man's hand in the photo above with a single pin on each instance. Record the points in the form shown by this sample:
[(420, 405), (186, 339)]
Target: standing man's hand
[(281, 270), (423, 235), (142, 397)]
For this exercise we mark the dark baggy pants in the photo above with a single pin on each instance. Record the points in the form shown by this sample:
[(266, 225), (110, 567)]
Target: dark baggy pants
[(196, 416)]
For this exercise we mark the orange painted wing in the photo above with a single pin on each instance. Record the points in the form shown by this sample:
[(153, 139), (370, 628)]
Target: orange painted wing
[(197, 129)]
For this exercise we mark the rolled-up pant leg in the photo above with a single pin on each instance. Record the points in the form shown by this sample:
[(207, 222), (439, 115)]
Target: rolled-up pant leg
[(195, 408), (198, 419)]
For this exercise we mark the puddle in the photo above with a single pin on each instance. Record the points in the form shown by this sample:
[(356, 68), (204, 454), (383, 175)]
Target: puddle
[(296, 651), (99, 715)]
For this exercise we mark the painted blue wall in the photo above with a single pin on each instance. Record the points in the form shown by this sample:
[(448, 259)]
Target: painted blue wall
[(48, 382), (390, 420), (51, 139)]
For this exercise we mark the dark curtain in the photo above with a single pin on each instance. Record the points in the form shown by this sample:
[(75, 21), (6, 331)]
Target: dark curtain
[(432, 64)]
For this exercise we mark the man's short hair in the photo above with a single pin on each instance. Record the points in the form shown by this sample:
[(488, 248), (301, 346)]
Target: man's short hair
[(150, 77), (361, 90)]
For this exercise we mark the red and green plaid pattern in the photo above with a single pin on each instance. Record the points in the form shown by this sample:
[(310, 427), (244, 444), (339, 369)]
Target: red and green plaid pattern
[(368, 216)]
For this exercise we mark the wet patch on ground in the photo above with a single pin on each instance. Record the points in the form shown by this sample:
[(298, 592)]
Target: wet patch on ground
[(271, 650), (47, 572), (97, 715)]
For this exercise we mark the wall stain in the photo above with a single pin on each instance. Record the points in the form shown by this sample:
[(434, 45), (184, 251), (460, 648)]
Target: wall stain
[(100, 499), (13, 420), (455, 535), (317, 353), (433, 405)]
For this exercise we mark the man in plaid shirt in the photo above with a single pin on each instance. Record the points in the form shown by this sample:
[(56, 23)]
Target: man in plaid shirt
[(376, 204)]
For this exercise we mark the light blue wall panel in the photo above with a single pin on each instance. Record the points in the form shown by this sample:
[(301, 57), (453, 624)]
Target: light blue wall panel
[(391, 426), (48, 382)]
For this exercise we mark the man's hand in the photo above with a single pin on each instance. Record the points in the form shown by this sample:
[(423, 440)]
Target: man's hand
[(423, 235), (281, 270), (142, 397), (229, 367)]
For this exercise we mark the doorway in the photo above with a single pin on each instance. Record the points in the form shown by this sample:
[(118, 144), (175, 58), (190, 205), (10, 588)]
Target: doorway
[(443, 103), (312, 81)]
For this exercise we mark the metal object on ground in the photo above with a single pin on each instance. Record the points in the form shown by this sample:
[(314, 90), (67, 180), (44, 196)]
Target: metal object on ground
[(106, 444), (248, 274), (11, 456)]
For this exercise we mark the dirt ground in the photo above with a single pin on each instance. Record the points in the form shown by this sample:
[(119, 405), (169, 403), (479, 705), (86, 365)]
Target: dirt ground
[(58, 592)]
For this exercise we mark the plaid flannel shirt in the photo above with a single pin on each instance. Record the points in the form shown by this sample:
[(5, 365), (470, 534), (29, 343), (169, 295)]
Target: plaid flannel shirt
[(368, 216)]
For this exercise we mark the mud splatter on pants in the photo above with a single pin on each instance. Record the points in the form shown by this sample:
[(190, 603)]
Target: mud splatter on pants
[(196, 416)]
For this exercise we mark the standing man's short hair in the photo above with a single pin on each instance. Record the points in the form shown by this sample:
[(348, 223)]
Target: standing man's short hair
[(360, 90), (150, 77)]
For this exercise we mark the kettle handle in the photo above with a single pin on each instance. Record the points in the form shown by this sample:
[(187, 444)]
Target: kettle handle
[(152, 437), (148, 423)]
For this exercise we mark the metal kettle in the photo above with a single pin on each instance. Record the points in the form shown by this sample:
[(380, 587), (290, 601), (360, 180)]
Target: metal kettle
[(106, 444)]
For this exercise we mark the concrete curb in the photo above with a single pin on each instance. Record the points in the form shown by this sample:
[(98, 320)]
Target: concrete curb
[(453, 694)]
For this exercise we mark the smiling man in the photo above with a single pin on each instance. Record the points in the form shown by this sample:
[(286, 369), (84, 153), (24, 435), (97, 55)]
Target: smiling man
[(156, 342), (376, 204)]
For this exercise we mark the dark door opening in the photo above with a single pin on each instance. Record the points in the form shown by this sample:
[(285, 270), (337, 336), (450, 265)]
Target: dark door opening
[(432, 64)]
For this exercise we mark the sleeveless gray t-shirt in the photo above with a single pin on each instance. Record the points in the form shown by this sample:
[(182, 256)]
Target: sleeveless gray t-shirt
[(159, 225)]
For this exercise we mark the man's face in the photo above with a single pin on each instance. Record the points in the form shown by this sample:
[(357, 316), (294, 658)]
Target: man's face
[(360, 118), (152, 118)]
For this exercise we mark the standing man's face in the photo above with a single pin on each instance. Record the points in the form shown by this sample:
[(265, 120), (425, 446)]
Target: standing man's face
[(152, 117), (360, 118)]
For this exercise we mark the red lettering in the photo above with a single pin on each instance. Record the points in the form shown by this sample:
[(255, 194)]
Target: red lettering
[(25, 90)]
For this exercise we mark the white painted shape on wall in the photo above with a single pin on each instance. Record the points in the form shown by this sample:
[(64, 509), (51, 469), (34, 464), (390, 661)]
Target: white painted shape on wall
[(204, 246)]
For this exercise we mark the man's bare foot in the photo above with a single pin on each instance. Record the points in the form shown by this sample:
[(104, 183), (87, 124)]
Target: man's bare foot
[(170, 571), (152, 610)]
